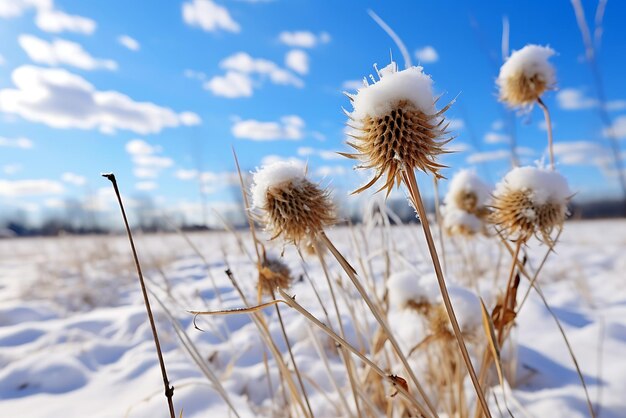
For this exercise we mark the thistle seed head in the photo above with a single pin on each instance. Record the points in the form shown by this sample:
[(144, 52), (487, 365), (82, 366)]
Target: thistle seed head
[(530, 201), (526, 75), (290, 205), (272, 274), (396, 126)]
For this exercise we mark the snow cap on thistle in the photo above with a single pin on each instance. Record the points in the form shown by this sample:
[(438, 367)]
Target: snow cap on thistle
[(467, 192), (396, 126), (526, 75), (459, 222), (530, 201), (289, 203)]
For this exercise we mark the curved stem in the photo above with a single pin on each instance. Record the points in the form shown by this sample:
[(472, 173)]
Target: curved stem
[(546, 114), (410, 181)]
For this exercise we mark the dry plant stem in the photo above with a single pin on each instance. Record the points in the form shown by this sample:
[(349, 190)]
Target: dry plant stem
[(546, 114), (293, 359), (169, 390), (259, 321), (440, 224), (381, 321), (507, 295), (390, 378), (560, 327), (346, 358), (411, 183)]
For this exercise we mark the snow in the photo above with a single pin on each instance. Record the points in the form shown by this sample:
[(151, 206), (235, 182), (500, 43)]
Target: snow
[(67, 350), (407, 286), (273, 175), (531, 60), (378, 99), (544, 185), (467, 181), (454, 219)]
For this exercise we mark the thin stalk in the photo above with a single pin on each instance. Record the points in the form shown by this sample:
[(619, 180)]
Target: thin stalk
[(390, 378), (381, 321), (440, 224), (293, 359), (546, 114), (169, 390), (411, 183)]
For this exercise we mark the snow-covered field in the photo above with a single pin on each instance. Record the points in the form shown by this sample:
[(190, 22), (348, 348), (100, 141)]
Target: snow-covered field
[(74, 340)]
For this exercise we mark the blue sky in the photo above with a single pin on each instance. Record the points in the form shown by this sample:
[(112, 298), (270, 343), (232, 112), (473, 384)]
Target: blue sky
[(159, 91)]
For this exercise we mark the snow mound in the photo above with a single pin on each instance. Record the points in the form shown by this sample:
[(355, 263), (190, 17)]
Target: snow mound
[(532, 60), (543, 185), (455, 219), (273, 175), (378, 99), (407, 286)]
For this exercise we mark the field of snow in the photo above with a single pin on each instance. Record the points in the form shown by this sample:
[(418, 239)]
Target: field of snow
[(75, 342)]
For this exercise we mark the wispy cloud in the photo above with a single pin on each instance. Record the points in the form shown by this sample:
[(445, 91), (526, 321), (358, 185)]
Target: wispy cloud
[(62, 52), (575, 99), (303, 39), (61, 99), (37, 187), (21, 142), (73, 178), (297, 60), (209, 16), (146, 158), (427, 55), (288, 128), (128, 42)]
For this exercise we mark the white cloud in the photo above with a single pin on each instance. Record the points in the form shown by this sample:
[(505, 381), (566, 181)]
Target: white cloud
[(496, 138), (47, 18), (244, 63), (146, 185), (231, 85), (15, 8), (240, 69), (73, 178), (183, 174), (60, 52), (193, 74), (128, 42), (61, 99), (330, 170), (10, 169), (618, 129), (56, 21), (352, 85), (456, 146), (574, 99), (427, 55), (303, 39), (271, 159), (21, 142), (289, 127), (297, 60), (30, 187), (482, 157), (209, 16), (189, 118), (323, 154), (497, 125), (146, 159)]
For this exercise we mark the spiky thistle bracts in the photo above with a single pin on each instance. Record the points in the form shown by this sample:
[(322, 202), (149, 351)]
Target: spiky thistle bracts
[(526, 75), (530, 201), (289, 204), (395, 126)]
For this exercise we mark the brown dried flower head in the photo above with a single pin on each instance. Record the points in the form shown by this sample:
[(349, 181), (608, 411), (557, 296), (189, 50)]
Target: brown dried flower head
[(396, 127), (272, 274), (530, 202), (291, 206), (526, 75)]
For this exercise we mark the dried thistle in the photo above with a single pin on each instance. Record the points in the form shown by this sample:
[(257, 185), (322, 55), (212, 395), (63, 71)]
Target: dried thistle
[(290, 204), (526, 75), (530, 201), (272, 274), (396, 126)]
